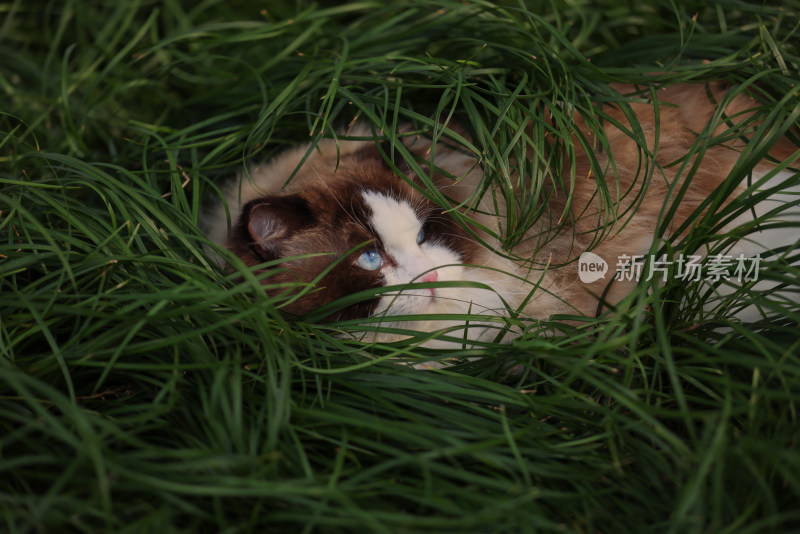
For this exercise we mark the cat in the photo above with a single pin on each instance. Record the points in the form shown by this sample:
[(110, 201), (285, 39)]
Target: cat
[(353, 219)]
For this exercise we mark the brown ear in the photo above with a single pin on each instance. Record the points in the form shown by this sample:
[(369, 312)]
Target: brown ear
[(266, 222)]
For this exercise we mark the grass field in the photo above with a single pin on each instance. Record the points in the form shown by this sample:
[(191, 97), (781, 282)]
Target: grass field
[(143, 390)]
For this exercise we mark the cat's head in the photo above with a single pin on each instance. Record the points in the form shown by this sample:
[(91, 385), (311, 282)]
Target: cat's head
[(364, 228)]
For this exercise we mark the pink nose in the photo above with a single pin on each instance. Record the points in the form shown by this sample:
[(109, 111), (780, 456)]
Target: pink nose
[(431, 276)]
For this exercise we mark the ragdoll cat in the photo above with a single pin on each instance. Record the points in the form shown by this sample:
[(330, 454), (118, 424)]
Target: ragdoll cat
[(347, 223)]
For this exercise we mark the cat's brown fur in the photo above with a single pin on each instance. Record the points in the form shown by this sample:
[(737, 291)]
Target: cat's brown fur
[(669, 129)]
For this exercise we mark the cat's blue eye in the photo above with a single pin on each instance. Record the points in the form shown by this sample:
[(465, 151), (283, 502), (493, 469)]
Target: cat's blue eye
[(371, 259), (420, 236)]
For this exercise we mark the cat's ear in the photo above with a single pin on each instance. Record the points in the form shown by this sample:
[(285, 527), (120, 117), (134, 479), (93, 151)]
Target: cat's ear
[(269, 220)]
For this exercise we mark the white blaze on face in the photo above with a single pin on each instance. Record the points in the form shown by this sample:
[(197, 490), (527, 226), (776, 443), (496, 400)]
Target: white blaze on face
[(398, 226)]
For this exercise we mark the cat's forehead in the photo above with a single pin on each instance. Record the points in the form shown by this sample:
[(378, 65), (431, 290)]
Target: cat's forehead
[(393, 219), (368, 193)]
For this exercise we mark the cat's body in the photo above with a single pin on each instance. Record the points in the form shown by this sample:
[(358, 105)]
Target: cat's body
[(376, 230)]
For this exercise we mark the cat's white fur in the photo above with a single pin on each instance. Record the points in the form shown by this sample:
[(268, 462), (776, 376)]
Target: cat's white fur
[(762, 242), (397, 226)]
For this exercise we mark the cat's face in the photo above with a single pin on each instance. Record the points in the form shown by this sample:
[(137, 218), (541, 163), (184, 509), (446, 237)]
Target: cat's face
[(367, 229)]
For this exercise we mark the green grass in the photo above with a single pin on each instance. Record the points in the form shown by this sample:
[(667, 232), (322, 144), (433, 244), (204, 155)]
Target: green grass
[(142, 390)]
